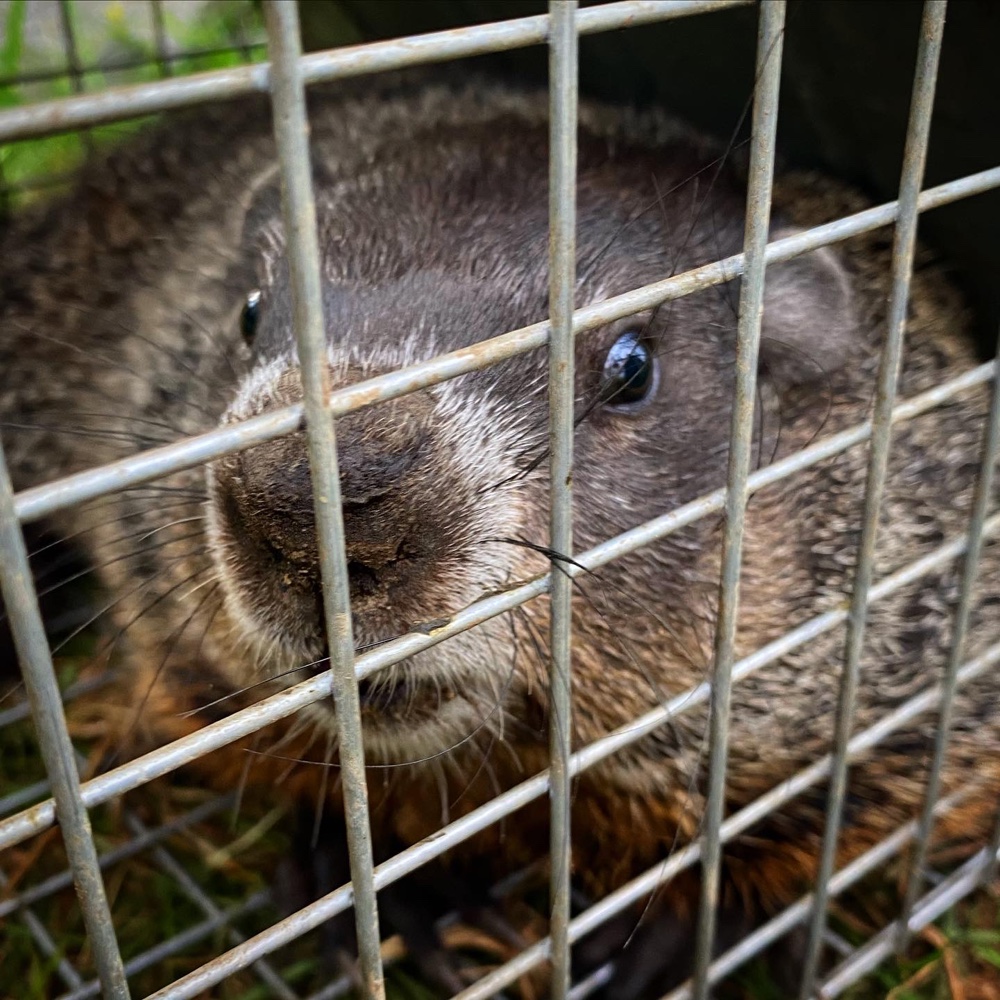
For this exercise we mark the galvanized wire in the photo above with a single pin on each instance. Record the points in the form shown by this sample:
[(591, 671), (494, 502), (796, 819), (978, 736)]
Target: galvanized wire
[(74, 68), (43, 940), (126, 63), (994, 848), (143, 839), (54, 742), (21, 711), (506, 803), (160, 36), (970, 571), (70, 113), (563, 84), (167, 863), (942, 897), (299, 211), (177, 944), (641, 886), (132, 847), (143, 467), (789, 918), (770, 35), (904, 246), (247, 721), (52, 497)]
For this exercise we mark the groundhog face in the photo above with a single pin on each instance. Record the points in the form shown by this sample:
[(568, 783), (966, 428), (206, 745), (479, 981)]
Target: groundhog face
[(442, 244)]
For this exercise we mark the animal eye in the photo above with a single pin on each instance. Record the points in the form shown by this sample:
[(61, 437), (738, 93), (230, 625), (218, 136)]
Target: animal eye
[(629, 373), (250, 317)]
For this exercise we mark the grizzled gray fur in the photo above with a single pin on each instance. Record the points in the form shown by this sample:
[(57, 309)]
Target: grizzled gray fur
[(130, 316)]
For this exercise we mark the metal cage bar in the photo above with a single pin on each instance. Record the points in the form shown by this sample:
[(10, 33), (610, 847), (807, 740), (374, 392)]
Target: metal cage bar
[(970, 571), (160, 35), (247, 721), (798, 913), (53, 737), (142, 839), (168, 864), (154, 463), (21, 711), (508, 802), (177, 944), (139, 843), (166, 58), (216, 919), (904, 248), (661, 873), (85, 110), (770, 35), (67, 114), (119, 66), (74, 67), (299, 210), (46, 945), (867, 958), (994, 849), (563, 82)]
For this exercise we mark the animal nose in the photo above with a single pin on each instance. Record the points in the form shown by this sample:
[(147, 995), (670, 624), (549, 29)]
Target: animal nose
[(272, 503), (377, 454), (376, 450)]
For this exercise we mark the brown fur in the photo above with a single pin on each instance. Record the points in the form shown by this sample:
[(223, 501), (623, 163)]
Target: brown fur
[(439, 242)]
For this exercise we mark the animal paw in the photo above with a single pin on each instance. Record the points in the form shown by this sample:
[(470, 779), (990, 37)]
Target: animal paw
[(648, 953)]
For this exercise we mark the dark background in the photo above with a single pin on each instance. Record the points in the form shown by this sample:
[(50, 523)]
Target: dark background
[(847, 76)]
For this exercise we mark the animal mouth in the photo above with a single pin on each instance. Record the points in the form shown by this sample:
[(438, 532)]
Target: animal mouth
[(379, 696), (398, 698)]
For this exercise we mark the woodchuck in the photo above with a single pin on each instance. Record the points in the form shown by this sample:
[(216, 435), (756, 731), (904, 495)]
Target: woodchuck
[(153, 302)]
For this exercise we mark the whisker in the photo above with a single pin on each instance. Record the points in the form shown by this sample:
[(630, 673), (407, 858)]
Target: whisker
[(149, 607), (62, 539), (175, 639), (171, 524), (110, 562), (125, 436), (121, 597), (253, 686)]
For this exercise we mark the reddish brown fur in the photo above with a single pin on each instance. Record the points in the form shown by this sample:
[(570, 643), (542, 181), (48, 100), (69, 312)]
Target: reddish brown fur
[(422, 196)]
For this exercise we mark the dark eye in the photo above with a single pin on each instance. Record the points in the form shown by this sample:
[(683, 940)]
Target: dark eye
[(629, 371), (250, 317)]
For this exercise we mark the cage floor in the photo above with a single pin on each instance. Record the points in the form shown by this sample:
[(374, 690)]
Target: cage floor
[(189, 873)]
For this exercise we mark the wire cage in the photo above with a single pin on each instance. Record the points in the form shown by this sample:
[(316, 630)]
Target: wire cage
[(230, 929)]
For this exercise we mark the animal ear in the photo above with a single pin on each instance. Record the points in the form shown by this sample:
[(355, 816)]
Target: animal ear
[(810, 322)]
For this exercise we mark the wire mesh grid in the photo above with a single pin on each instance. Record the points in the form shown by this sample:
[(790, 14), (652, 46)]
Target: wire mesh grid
[(75, 793), (54, 49)]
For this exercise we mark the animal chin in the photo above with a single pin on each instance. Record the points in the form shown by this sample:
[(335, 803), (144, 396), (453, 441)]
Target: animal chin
[(405, 718), (411, 710), (401, 701), (398, 703), (409, 560)]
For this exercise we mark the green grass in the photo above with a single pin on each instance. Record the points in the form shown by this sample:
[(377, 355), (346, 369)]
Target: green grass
[(148, 905), (962, 948), (959, 958), (30, 166), (956, 958)]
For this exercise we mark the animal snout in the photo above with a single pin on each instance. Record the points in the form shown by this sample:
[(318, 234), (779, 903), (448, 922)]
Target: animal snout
[(264, 497)]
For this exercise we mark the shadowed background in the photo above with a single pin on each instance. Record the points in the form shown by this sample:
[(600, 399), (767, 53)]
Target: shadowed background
[(846, 82)]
